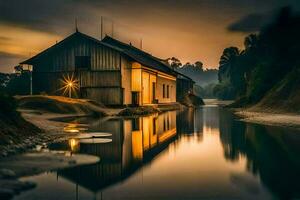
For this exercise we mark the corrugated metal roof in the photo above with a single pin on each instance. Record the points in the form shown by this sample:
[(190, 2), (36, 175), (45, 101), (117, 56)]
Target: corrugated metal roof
[(60, 44), (140, 56), (134, 53)]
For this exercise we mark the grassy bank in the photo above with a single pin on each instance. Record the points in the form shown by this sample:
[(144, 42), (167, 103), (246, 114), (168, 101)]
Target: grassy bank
[(15, 130), (61, 105)]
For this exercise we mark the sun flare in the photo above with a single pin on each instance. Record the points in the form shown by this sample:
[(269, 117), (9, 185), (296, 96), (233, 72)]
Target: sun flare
[(70, 85)]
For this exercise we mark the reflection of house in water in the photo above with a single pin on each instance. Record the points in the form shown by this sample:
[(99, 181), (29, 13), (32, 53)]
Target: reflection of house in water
[(185, 122), (211, 119), (188, 125), (134, 142)]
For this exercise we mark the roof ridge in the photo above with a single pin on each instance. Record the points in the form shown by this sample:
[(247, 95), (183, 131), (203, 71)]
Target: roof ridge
[(123, 43), (53, 46), (131, 46)]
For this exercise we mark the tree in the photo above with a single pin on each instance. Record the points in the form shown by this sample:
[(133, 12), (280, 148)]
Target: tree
[(18, 69), (199, 65), (174, 62), (229, 56), (251, 42), (227, 60)]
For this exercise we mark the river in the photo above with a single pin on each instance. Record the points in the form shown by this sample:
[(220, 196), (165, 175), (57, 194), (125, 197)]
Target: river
[(203, 153)]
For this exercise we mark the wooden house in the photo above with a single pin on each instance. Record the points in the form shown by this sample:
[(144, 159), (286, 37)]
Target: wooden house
[(184, 85), (107, 71)]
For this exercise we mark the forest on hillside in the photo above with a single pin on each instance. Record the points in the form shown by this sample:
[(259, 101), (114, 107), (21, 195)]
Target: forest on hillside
[(205, 79), (267, 70)]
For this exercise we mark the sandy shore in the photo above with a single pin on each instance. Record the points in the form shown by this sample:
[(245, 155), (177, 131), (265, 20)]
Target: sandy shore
[(27, 164), (275, 119), (217, 102)]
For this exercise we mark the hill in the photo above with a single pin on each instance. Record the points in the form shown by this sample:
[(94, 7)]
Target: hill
[(284, 96), (264, 76)]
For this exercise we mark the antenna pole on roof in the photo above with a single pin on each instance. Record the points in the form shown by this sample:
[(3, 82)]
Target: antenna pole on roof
[(101, 27), (76, 27), (141, 43)]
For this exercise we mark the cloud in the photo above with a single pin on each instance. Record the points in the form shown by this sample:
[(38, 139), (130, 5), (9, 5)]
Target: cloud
[(187, 29), (46, 16), (9, 60), (250, 23), (4, 39), (5, 55), (255, 21)]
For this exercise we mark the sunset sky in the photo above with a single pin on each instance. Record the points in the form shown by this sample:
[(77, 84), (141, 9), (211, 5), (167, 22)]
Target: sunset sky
[(190, 30)]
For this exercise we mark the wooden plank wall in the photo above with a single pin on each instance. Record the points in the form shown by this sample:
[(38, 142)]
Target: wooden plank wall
[(63, 59), (126, 79), (102, 82), (108, 96), (100, 86), (99, 78), (159, 90)]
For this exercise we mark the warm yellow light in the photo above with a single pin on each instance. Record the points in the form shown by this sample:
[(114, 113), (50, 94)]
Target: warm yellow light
[(137, 144), (71, 130), (70, 84), (136, 80), (74, 144)]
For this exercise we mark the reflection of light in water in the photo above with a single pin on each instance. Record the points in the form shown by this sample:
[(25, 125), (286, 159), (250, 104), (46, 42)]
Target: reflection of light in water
[(210, 130), (150, 131), (71, 130), (74, 128), (167, 135), (137, 144), (74, 145), (146, 132)]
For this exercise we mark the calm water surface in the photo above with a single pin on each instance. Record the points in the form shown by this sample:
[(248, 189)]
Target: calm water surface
[(191, 154)]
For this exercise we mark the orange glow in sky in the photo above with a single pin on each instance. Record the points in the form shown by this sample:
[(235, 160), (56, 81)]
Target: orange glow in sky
[(191, 30)]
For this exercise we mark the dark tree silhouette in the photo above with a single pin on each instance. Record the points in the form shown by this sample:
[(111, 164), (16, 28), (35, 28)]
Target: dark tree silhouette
[(251, 42), (265, 66), (174, 62)]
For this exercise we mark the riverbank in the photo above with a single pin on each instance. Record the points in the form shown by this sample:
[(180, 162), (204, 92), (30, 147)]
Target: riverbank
[(42, 117), (274, 118), (14, 167), (50, 117), (83, 107)]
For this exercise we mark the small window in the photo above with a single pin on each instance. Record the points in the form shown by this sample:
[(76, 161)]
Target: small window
[(135, 124), (164, 90), (82, 62), (168, 92), (154, 125), (168, 124)]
